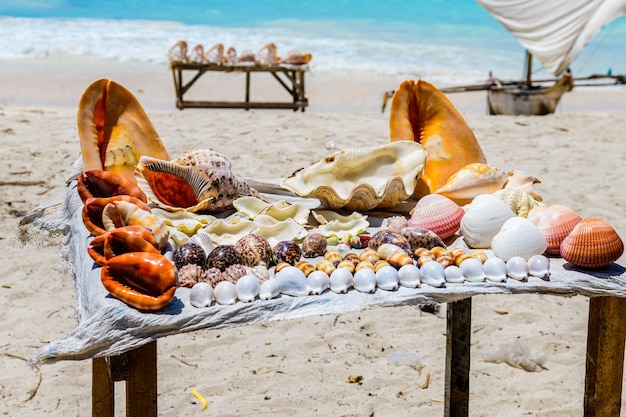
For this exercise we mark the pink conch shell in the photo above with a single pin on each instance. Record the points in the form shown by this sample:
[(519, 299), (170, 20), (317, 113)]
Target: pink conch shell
[(592, 244), (555, 222), (421, 113), (123, 213), (114, 130), (437, 213), (472, 180)]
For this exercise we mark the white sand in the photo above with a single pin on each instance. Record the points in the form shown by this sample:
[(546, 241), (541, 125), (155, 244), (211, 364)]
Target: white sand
[(299, 366)]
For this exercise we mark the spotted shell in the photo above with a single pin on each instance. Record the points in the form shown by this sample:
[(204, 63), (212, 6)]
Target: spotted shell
[(437, 213), (222, 257), (189, 253), (314, 245), (593, 243), (254, 250), (421, 238), (286, 251), (555, 222), (188, 275), (387, 236)]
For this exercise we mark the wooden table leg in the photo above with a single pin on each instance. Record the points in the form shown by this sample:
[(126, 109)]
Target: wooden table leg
[(606, 335), (141, 385), (102, 389), (459, 328)]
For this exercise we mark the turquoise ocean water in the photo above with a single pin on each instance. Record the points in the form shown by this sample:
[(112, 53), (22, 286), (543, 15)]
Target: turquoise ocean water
[(445, 41)]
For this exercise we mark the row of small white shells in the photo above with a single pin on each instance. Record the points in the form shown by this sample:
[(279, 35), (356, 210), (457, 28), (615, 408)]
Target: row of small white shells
[(292, 281)]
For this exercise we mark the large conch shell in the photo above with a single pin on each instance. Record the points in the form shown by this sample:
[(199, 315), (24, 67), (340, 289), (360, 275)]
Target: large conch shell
[(201, 180), (472, 180), (114, 130), (421, 113), (361, 179)]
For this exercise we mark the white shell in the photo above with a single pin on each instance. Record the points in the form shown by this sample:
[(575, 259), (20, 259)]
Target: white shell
[(340, 280), (518, 237), (362, 179), (433, 274), (539, 266), (202, 239), (495, 269), (319, 281), (483, 218), (409, 276), (201, 295), (454, 274), (472, 269), (387, 278), (387, 249), (517, 268), (269, 289), (248, 288), (365, 280), (292, 281), (225, 293)]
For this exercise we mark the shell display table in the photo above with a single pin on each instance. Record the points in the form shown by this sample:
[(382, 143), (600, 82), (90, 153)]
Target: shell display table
[(121, 341)]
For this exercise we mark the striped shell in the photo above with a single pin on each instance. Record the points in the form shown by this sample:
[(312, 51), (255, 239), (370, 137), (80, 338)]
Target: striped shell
[(483, 219), (555, 223), (437, 213), (593, 243)]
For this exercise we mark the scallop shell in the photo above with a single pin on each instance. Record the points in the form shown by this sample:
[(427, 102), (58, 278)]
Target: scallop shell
[(201, 295), (365, 280), (495, 269), (437, 213), (319, 281), (555, 222), (433, 274), (518, 237), (248, 288), (387, 278), (483, 218), (409, 276), (340, 280), (517, 268), (361, 179), (593, 243)]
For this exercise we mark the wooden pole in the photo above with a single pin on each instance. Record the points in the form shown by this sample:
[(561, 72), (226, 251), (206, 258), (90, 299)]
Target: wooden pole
[(458, 338), (102, 389), (141, 385)]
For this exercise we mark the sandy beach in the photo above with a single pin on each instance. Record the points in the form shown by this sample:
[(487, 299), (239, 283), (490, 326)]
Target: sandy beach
[(298, 366)]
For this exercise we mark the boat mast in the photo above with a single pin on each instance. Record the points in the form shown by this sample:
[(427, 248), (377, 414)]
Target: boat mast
[(529, 68)]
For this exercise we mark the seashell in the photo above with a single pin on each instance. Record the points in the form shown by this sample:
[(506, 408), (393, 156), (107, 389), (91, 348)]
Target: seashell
[(121, 240), (286, 251), (145, 281), (394, 223), (280, 266), (386, 236), (203, 239), (201, 180), (96, 183), (349, 265), (188, 275), (453, 274), (326, 266), (201, 295), (438, 214), (280, 210), (254, 250), (365, 280), (437, 251), (517, 268), (460, 257), (93, 208), (524, 182), (518, 237), (478, 254), (260, 272), (472, 269), (369, 255), (352, 257), (232, 273), (196, 56), (539, 266), (399, 259), (380, 264), (419, 252), (314, 245), (269, 289), (483, 218), (354, 242), (518, 200), (292, 281), (189, 253), (445, 260), (409, 276), (297, 58), (211, 276), (225, 293), (114, 130), (592, 244), (361, 179), (421, 238), (387, 278), (364, 264), (118, 213), (178, 52), (333, 256), (248, 288), (304, 266), (473, 180), (343, 249), (222, 257), (495, 269), (340, 280), (420, 112), (554, 222), (387, 249), (319, 281), (335, 225), (433, 274), (424, 259)]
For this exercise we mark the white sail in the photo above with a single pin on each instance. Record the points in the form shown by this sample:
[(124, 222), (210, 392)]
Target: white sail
[(554, 31)]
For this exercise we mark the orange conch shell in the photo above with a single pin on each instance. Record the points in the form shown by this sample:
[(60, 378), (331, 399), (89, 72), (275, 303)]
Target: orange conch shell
[(422, 113), (97, 183), (472, 180), (121, 240), (93, 208), (114, 130), (146, 281), (121, 213)]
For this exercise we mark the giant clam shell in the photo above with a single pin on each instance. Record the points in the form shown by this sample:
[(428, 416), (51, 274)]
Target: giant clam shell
[(518, 237), (483, 218), (437, 213), (201, 180), (555, 222), (593, 243), (361, 179)]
